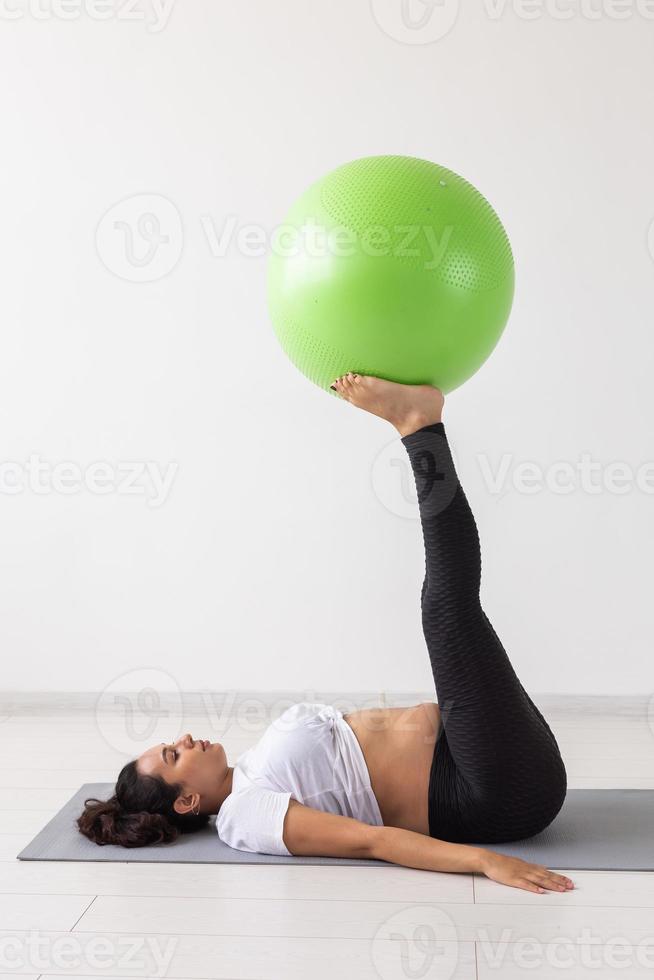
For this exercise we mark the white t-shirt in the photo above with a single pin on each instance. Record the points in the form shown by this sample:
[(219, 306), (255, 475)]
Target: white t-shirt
[(309, 753)]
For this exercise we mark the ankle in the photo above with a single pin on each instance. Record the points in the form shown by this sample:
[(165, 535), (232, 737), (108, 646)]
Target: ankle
[(414, 420)]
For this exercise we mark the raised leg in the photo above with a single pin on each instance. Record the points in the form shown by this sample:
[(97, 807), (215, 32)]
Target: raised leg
[(497, 773), (497, 770)]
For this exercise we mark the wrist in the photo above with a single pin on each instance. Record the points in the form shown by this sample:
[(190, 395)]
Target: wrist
[(482, 859)]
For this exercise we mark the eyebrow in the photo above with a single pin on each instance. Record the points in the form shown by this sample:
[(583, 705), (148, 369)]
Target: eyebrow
[(163, 755)]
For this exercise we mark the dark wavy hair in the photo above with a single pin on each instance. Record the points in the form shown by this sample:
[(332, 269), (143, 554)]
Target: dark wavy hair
[(140, 812)]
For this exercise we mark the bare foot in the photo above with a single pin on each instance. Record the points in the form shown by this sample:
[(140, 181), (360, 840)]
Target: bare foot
[(407, 407)]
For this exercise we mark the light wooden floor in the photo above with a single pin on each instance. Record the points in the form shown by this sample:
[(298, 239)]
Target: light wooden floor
[(199, 921)]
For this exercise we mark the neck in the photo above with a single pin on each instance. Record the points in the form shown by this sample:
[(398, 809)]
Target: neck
[(222, 792)]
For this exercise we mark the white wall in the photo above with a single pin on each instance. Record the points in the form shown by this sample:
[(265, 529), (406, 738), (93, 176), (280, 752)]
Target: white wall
[(273, 563)]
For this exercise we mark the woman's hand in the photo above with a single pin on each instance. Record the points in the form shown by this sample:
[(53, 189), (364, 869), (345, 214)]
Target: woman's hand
[(521, 874)]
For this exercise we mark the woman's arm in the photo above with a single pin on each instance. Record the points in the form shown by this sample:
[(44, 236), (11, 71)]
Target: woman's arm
[(312, 832)]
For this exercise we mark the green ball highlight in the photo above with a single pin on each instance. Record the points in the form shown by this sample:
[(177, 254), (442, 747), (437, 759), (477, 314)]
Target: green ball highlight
[(391, 266)]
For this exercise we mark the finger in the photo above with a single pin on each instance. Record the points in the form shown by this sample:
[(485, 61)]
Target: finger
[(559, 879), (550, 882), (529, 886), (546, 880), (539, 872)]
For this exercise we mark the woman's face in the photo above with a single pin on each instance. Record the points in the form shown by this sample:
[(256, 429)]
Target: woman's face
[(198, 765)]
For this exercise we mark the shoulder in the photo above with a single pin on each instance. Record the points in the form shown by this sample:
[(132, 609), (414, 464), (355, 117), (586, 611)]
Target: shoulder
[(252, 819)]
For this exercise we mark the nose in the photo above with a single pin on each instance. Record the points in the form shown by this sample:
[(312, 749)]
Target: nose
[(186, 741)]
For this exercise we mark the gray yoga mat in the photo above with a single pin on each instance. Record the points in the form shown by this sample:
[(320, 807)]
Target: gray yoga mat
[(597, 830)]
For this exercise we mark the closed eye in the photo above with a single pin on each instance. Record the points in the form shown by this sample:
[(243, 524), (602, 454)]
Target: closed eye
[(166, 754)]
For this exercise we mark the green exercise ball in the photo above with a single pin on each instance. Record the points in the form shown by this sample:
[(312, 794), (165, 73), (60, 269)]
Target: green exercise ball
[(391, 266)]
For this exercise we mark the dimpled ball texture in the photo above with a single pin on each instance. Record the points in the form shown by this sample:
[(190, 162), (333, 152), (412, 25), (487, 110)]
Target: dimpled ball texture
[(391, 266)]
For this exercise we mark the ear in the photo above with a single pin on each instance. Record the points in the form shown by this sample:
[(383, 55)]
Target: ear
[(186, 804)]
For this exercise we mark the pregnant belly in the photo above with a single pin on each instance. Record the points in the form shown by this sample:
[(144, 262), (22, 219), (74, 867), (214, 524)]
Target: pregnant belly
[(398, 746)]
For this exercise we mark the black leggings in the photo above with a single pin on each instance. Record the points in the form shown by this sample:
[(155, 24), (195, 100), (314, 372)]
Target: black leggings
[(497, 773)]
